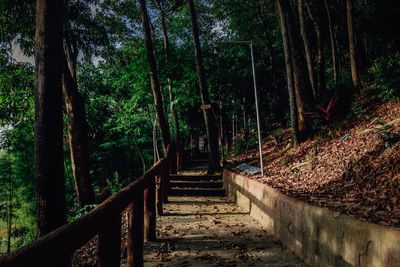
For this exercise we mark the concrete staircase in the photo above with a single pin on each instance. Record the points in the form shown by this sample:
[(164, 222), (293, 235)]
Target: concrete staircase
[(196, 185)]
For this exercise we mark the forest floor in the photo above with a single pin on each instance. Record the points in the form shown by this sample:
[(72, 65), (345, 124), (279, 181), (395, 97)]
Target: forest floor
[(353, 166)]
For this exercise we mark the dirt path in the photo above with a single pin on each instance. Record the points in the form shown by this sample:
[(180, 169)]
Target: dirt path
[(211, 231)]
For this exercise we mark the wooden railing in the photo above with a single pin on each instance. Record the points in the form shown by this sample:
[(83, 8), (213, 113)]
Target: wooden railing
[(144, 197)]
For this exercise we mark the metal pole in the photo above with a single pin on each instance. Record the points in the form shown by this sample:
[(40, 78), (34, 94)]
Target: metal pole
[(258, 114), (255, 93)]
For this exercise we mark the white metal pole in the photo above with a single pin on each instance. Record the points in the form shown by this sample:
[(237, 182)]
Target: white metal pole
[(258, 114)]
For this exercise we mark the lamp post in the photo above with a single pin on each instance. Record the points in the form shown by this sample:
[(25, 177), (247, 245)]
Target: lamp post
[(255, 92)]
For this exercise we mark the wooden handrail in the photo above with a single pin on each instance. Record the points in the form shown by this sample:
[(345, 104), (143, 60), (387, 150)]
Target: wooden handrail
[(63, 241)]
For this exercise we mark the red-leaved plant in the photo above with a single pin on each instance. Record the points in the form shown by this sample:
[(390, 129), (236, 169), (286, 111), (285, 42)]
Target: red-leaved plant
[(326, 113)]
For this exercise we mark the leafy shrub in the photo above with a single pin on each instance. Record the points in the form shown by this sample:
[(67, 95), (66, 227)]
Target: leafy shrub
[(386, 74), (115, 184), (82, 211), (359, 112), (387, 134)]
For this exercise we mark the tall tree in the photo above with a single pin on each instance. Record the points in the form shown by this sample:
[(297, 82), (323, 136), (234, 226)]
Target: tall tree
[(209, 118), (302, 93), (49, 165), (174, 113), (316, 18), (352, 43), (79, 16), (333, 42), (307, 48), (155, 84), (289, 72), (77, 128)]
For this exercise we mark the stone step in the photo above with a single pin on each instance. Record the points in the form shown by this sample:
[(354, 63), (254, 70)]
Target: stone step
[(197, 184), (197, 192)]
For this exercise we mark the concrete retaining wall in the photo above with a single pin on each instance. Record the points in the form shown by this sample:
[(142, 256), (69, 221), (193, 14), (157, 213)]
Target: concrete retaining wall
[(319, 236)]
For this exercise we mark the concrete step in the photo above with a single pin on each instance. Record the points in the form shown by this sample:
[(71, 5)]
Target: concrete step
[(178, 177), (197, 192), (197, 184)]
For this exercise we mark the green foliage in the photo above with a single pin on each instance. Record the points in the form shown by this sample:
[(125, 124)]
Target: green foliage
[(82, 211), (16, 93), (359, 112), (386, 134), (115, 184), (386, 74)]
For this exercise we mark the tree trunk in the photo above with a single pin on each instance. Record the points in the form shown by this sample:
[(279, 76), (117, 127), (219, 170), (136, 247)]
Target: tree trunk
[(171, 93), (49, 168), (140, 153), (307, 49), (298, 66), (156, 154), (352, 45), (289, 72), (174, 113), (333, 46), (320, 55), (209, 119), (167, 58), (10, 207), (155, 84), (77, 133)]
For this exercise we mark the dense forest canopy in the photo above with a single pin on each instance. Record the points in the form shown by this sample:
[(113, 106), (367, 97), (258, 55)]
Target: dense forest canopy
[(134, 78)]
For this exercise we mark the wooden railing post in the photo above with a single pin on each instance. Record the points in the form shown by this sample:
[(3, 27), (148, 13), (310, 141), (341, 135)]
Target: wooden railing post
[(150, 211), (159, 195), (165, 183), (135, 231), (109, 245)]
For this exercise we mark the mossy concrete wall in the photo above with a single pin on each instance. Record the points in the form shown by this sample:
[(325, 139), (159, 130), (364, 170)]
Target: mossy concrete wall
[(321, 237)]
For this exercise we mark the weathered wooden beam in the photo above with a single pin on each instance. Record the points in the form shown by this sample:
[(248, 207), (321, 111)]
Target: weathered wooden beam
[(135, 231), (109, 245), (150, 211)]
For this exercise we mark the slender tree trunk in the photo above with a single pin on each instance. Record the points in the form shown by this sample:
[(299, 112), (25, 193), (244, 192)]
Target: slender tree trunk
[(171, 93), (338, 52), (307, 48), (333, 46), (289, 72), (49, 168), (155, 84), (140, 153), (71, 184), (174, 113), (156, 155), (321, 60), (352, 45), (10, 196), (209, 119), (77, 133)]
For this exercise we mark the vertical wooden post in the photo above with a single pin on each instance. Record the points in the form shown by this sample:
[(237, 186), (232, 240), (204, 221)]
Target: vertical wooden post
[(150, 211), (159, 194), (179, 159), (164, 177), (135, 231), (109, 246)]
